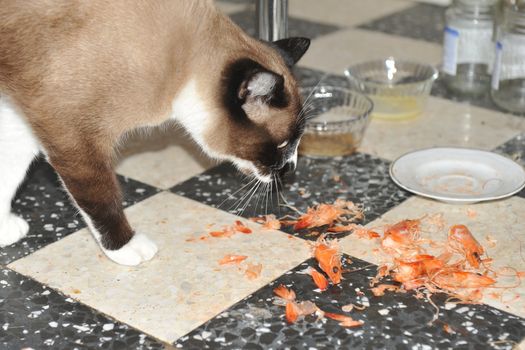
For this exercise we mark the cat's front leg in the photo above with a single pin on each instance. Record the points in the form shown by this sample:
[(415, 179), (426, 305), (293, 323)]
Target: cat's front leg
[(94, 189)]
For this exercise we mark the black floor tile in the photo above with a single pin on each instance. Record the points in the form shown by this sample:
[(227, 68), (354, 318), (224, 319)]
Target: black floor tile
[(37, 317), (312, 77), (43, 203), (360, 178), (515, 149), (392, 321), (439, 89), (296, 27), (422, 21)]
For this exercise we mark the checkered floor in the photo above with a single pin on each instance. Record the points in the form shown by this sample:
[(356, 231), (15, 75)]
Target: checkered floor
[(57, 291)]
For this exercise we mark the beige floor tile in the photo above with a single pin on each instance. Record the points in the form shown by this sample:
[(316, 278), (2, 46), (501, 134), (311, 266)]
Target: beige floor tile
[(436, 2), (344, 12), (162, 158), (335, 52), (443, 123), (179, 289), (501, 221), (229, 8)]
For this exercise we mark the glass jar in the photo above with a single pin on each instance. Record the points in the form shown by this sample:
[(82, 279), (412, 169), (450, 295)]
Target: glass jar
[(508, 77), (468, 46)]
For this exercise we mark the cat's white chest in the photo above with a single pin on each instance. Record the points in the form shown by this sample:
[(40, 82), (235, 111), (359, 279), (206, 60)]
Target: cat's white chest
[(189, 110)]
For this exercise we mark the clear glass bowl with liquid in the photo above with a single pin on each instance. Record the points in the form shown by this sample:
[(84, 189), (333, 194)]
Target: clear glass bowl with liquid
[(399, 89), (337, 119)]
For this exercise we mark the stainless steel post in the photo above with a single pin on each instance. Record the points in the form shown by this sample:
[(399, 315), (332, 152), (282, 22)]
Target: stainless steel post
[(272, 19)]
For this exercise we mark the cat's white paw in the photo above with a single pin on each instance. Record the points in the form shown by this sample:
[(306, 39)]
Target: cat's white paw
[(12, 229), (140, 248)]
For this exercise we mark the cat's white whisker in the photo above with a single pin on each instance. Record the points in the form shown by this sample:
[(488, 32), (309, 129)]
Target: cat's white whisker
[(237, 204), (232, 195), (269, 195), (247, 202), (259, 195), (277, 193), (307, 108), (307, 99)]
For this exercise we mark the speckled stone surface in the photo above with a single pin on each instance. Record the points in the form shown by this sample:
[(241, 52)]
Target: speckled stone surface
[(37, 317), (184, 285), (166, 299), (43, 203), (442, 123), (393, 321), (515, 150), (336, 51), (349, 13), (497, 225), (313, 77), (439, 89), (296, 26), (359, 177), (422, 21)]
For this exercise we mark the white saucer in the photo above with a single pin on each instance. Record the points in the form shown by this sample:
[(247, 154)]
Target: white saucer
[(458, 175)]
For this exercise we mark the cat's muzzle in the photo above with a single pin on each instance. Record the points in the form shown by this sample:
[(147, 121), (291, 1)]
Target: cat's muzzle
[(287, 170)]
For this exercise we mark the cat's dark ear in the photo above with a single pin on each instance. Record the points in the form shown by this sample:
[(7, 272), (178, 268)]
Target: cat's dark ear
[(292, 49), (248, 86)]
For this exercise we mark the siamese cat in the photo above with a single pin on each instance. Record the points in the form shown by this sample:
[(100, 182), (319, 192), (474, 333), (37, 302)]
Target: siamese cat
[(77, 75)]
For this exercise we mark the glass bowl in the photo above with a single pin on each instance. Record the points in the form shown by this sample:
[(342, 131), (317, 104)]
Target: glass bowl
[(336, 120), (398, 88)]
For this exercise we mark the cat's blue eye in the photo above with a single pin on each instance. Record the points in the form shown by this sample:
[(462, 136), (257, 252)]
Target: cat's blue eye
[(283, 145)]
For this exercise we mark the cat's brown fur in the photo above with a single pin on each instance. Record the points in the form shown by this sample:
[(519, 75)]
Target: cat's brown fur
[(85, 72)]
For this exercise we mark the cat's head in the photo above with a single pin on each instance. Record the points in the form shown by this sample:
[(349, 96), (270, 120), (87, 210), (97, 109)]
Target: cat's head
[(261, 121)]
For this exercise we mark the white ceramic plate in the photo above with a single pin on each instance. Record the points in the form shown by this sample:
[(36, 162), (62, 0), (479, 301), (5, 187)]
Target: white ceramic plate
[(458, 175)]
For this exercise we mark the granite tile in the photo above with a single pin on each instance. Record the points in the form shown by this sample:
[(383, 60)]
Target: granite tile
[(439, 89), (498, 226), (422, 22), (184, 285), (42, 202), (442, 123), (162, 157), (35, 316), (393, 321), (515, 150), (359, 177), (335, 52), (312, 77), (345, 13), (296, 26)]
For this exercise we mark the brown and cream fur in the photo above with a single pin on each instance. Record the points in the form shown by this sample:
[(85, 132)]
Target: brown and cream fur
[(83, 73)]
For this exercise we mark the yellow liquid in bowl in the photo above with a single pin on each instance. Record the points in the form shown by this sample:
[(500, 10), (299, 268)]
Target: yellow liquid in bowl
[(333, 145), (396, 107)]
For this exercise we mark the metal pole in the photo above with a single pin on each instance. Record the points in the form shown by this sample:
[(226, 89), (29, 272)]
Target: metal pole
[(272, 19)]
